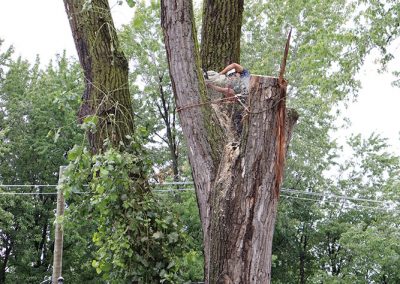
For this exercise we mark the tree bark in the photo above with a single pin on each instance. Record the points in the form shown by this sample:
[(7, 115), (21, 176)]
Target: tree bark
[(105, 69), (236, 175), (221, 31)]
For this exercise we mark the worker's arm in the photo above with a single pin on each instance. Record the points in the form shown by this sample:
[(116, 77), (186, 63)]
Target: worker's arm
[(228, 92), (235, 66)]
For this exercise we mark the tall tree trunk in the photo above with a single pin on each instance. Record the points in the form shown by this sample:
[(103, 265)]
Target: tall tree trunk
[(221, 31), (6, 254), (167, 112), (173, 152), (302, 255), (41, 249), (237, 176), (105, 69)]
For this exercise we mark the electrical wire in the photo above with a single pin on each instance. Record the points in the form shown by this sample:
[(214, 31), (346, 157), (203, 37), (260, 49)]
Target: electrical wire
[(36, 193), (169, 190), (26, 185), (28, 193), (55, 185), (332, 195), (190, 189), (342, 203), (327, 195)]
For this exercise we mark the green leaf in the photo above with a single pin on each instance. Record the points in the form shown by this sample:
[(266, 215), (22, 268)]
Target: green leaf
[(173, 237), (158, 235), (75, 152), (100, 189), (131, 3), (91, 119)]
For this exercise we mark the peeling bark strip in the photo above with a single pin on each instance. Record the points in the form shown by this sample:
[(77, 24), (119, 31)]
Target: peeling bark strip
[(235, 177), (105, 69), (280, 128)]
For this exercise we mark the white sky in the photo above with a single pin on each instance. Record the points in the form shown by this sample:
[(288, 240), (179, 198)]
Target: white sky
[(41, 27), (378, 106)]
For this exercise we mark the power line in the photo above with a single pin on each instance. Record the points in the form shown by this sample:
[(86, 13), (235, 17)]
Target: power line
[(55, 185), (28, 193), (174, 183), (168, 190), (191, 189), (36, 193), (327, 195), (342, 203), (332, 195), (26, 185)]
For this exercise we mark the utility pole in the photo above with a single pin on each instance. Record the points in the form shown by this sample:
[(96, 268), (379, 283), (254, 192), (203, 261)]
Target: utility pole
[(58, 235)]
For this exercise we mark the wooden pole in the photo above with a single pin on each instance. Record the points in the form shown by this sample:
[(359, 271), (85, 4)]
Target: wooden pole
[(58, 235)]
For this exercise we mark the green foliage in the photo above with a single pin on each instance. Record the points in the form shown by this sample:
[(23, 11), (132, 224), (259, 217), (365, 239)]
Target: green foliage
[(184, 205), (33, 103), (366, 236), (344, 241), (21, 224), (137, 239), (376, 26), (375, 251), (325, 55), (131, 3)]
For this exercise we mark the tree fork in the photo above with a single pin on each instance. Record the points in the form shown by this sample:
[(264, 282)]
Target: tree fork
[(237, 180)]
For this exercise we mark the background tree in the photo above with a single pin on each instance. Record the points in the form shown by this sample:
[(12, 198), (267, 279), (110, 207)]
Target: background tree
[(106, 99), (352, 228), (152, 92), (135, 235), (38, 127)]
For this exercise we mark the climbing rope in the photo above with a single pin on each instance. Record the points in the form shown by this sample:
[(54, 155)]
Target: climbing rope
[(229, 100)]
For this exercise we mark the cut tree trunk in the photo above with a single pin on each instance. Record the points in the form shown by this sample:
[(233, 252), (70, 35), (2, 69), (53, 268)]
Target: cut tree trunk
[(237, 174), (243, 199)]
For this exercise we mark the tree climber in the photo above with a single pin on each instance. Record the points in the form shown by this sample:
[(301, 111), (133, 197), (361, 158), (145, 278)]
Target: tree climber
[(233, 82)]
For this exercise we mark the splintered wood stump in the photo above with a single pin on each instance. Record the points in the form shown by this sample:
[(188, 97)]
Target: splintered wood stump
[(245, 191)]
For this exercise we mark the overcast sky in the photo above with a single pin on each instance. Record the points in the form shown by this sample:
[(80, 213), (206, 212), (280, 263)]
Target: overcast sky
[(41, 27)]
